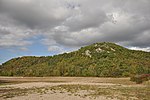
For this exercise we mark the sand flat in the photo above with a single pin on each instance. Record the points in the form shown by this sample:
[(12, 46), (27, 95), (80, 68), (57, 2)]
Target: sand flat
[(69, 88)]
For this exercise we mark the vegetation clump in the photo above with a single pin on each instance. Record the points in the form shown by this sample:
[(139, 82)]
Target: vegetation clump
[(140, 78)]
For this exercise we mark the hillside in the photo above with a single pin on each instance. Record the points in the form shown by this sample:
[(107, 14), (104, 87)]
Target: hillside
[(98, 59)]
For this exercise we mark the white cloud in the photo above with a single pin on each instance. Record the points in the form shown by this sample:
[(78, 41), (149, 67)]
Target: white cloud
[(142, 49), (54, 49)]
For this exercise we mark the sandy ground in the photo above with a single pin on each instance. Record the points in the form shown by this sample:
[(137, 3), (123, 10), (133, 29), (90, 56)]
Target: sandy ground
[(43, 82), (56, 95)]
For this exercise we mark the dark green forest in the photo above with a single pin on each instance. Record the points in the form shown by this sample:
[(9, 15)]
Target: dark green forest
[(98, 59)]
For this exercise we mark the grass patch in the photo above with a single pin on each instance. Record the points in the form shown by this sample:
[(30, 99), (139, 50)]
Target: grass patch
[(119, 92), (91, 91), (9, 92)]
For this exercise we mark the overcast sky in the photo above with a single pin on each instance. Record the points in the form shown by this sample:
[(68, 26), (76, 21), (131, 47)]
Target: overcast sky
[(48, 27)]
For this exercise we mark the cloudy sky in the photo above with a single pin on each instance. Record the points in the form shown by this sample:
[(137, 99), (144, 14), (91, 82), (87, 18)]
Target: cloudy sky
[(48, 27)]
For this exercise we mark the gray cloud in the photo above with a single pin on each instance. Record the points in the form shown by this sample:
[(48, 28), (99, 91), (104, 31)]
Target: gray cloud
[(75, 23), (34, 13), (11, 34)]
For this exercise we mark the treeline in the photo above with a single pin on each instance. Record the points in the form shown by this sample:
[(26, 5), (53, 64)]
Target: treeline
[(99, 59)]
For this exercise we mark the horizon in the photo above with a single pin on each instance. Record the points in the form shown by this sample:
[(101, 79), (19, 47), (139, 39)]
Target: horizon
[(65, 52), (51, 27)]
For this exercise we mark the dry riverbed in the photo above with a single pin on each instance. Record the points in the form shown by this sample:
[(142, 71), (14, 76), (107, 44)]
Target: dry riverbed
[(72, 88)]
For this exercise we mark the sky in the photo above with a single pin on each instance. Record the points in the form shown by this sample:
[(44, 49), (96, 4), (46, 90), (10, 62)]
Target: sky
[(49, 27)]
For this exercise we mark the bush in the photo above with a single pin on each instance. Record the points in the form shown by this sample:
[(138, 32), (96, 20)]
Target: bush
[(140, 78)]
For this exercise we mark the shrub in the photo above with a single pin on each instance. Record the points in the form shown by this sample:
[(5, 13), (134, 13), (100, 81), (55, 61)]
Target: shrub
[(140, 78)]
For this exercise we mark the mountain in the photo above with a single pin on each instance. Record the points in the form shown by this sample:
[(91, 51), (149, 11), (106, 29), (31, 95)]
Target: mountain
[(98, 59)]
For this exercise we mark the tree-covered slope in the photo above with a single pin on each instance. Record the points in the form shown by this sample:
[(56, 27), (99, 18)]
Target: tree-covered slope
[(99, 59)]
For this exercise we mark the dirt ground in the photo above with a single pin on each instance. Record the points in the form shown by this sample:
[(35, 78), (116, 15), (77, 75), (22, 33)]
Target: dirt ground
[(72, 88)]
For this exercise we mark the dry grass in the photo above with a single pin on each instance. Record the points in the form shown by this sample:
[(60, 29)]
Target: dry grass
[(125, 81), (119, 92), (123, 88)]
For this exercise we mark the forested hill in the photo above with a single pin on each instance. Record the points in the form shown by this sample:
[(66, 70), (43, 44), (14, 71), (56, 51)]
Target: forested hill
[(98, 59)]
